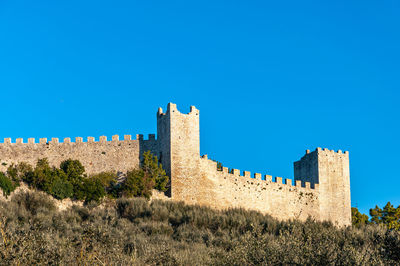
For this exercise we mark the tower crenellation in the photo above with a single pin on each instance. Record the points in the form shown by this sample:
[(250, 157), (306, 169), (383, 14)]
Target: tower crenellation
[(320, 188)]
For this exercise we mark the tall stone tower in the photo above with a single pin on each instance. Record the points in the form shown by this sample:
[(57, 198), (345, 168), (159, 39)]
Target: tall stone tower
[(179, 146), (330, 170), (321, 190)]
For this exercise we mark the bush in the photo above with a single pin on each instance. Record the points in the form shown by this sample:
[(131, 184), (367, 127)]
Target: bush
[(138, 184), (70, 180), (139, 232), (109, 182), (132, 209), (33, 202), (94, 190), (107, 179), (19, 172), (42, 175), (358, 219), (154, 170), (6, 184), (61, 188), (75, 175), (73, 169)]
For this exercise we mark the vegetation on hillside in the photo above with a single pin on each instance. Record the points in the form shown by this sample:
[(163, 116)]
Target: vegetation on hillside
[(7, 185), (137, 231), (388, 217), (70, 180)]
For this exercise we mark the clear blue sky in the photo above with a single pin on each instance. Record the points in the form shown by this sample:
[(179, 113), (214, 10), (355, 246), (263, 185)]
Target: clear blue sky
[(270, 79)]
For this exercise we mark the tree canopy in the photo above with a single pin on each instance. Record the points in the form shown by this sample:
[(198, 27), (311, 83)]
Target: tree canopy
[(389, 217)]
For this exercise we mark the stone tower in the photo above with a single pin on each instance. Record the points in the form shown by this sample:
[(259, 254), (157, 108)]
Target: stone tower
[(321, 190), (330, 170), (179, 146)]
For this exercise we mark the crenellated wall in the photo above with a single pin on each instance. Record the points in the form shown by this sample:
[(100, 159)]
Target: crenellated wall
[(96, 156), (222, 190), (321, 189), (195, 180)]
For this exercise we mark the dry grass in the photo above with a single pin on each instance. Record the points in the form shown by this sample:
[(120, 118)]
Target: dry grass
[(139, 232)]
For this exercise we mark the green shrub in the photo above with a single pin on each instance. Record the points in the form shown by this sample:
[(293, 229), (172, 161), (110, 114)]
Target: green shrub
[(138, 184), (107, 179), (70, 180), (19, 172), (25, 172), (154, 170), (75, 175), (6, 184), (109, 182), (61, 188), (49, 179), (73, 168), (358, 219), (93, 189), (43, 175)]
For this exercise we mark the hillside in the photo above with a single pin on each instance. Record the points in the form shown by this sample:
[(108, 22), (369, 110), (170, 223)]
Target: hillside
[(137, 231)]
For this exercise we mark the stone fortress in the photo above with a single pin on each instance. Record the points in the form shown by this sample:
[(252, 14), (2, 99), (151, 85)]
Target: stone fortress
[(321, 188)]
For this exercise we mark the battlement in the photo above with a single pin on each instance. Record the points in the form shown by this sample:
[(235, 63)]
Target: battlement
[(96, 154), (320, 189), (325, 151), (101, 139), (236, 173), (171, 108)]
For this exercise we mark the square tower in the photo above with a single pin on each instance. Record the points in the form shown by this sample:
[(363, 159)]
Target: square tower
[(331, 171), (179, 145)]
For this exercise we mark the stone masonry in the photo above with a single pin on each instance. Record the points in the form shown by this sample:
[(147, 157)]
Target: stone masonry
[(321, 188)]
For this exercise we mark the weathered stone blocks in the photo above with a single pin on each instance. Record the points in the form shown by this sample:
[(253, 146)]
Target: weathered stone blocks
[(322, 177)]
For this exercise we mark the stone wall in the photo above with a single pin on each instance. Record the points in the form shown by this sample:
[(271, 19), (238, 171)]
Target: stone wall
[(322, 177), (96, 156), (222, 190), (195, 180)]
